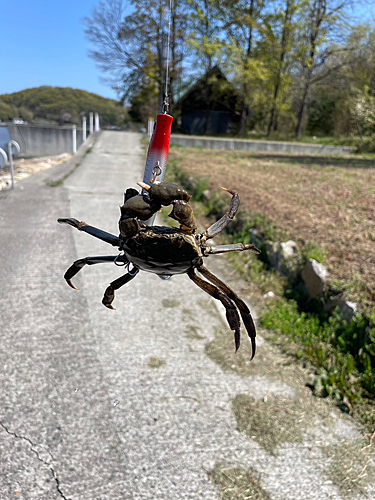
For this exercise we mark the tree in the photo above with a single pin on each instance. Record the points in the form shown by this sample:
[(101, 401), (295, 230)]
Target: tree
[(242, 20), (284, 26), (132, 49), (360, 79), (320, 46), (204, 40)]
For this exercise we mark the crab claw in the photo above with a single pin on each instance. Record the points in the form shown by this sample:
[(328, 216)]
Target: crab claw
[(229, 191), (183, 213), (72, 222), (109, 296), (72, 271), (165, 192), (71, 284), (130, 193), (143, 185)]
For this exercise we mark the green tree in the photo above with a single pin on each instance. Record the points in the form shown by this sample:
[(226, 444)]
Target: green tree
[(242, 24), (204, 38), (320, 50), (204, 35), (281, 28)]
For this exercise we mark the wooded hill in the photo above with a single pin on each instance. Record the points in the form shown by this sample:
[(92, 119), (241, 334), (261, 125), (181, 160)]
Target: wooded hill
[(60, 105)]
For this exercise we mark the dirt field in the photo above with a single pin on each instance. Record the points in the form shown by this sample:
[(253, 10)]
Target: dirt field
[(329, 201)]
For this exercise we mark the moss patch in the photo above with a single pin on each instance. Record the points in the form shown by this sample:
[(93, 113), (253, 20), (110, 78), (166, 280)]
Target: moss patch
[(237, 483), (170, 303), (156, 362), (192, 333)]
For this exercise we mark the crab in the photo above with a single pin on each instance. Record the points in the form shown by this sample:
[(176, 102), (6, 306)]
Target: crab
[(167, 251)]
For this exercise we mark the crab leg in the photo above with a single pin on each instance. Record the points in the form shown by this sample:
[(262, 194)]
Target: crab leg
[(226, 219), (109, 294), (244, 310), (78, 265), (232, 315), (237, 247), (94, 231)]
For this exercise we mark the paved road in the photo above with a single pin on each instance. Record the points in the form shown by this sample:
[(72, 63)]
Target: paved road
[(82, 413)]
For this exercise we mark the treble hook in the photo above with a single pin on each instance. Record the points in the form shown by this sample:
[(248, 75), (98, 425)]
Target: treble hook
[(156, 171)]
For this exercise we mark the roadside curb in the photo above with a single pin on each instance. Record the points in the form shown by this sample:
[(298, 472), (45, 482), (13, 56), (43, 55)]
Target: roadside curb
[(254, 145), (57, 175)]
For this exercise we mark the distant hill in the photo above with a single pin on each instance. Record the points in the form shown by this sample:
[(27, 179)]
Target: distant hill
[(61, 105)]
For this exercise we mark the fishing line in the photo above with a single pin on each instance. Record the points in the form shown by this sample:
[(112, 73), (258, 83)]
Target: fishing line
[(166, 100)]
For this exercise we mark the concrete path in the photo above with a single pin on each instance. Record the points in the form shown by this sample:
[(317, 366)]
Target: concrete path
[(100, 404)]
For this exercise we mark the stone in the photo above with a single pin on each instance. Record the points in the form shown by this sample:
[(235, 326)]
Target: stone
[(330, 303), (272, 250), (315, 276), (347, 310), (206, 195), (288, 249), (287, 259)]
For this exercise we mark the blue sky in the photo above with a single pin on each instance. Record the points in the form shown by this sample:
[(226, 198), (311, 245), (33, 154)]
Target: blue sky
[(43, 43)]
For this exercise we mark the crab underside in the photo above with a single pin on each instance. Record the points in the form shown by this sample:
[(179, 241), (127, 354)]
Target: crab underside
[(167, 251)]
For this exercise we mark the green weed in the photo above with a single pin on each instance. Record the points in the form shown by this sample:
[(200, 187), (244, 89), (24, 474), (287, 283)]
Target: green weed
[(313, 251)]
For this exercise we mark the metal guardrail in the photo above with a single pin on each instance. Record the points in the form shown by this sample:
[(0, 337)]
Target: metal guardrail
[(13, 150), (3, 158)]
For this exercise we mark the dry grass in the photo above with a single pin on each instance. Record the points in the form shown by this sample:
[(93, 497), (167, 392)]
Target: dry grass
[(23, 168), (327, 200), (351, 464), (237, 484), (154, 362), (271, 422)]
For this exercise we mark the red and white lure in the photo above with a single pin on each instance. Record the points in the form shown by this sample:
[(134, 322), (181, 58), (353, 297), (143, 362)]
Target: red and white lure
[(158, 150)]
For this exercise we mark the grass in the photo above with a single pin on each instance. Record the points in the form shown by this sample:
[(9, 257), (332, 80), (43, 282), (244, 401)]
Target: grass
[(337, 355), (237, 483), (342, 355), (348, 463), (170, 303), (271, 423), (156, 362), (351, 464)]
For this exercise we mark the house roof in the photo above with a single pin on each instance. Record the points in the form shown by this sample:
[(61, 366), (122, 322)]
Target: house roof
[(212, 91)]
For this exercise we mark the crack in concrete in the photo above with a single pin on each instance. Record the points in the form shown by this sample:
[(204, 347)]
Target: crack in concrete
[(34, 450)]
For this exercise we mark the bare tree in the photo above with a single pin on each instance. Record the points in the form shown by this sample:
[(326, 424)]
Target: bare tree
[(321, 41), (132, 49)]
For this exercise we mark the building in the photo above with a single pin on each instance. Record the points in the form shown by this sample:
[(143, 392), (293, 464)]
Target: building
[(210, 106)]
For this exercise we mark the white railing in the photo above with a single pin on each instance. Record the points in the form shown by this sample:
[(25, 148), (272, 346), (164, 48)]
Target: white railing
[(11, 153)]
